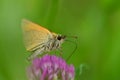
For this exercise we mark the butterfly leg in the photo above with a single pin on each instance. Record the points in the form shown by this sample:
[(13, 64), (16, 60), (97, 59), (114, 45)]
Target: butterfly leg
[(34, 54), (61, 52)]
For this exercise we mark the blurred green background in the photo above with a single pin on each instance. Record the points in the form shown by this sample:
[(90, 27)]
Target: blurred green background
[(95, 22)]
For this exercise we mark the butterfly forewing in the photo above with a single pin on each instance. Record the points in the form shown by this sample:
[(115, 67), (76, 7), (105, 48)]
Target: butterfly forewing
[(34, 35)]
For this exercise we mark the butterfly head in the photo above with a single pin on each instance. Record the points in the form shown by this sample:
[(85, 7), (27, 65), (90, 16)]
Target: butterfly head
[(58, 37)]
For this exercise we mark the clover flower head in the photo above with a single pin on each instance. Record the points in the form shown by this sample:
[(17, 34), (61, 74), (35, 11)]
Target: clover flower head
[(50, 67)]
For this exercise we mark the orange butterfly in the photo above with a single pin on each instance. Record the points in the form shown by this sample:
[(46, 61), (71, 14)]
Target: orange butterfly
[(38, 39)]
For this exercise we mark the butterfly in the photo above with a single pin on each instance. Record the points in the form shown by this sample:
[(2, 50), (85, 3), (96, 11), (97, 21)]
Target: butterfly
[(38, 39)]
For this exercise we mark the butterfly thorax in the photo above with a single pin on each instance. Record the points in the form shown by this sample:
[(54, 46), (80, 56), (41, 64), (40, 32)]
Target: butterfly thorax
[(54, 43)]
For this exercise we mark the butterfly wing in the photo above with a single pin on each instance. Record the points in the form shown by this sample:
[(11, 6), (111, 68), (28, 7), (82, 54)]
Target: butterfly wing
[(34, 35)]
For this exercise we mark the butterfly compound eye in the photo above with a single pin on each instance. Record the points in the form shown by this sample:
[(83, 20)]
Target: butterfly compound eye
[(59, 37)]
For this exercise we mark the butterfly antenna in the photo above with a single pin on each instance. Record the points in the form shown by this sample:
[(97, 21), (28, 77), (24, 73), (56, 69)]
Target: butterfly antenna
[(75, 37), (73, 50)]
